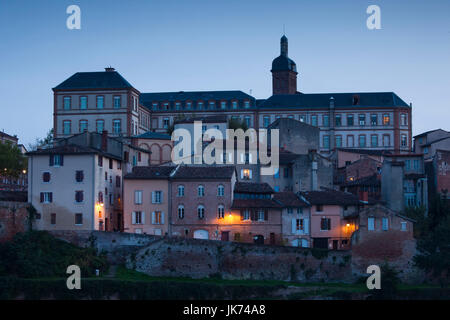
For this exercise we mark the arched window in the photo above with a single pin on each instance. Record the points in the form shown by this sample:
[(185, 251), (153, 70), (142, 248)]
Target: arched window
[(201, 191), (180, 191), (201, 211), (220, 190), (180, 211), (220, 212)]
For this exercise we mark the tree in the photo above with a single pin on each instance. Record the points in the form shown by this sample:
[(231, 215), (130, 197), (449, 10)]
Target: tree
[(12, 161), (48, 140), (237, 124)]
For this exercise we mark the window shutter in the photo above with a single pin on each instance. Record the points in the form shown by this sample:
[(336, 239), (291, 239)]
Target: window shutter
[(133, 217), (250, 173), (42, 197), (143, 217), (242, 174), (77, 196), (50, 197), (294, 226), (162, 200), (153, 217), (62, 160), (153, 196), (266, 215), (306, 225), (162, 217), (51, 161)]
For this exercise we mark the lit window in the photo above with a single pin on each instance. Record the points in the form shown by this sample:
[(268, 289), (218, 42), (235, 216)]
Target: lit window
[(220, 212), (157, 217), (246, 174), (386, 119)]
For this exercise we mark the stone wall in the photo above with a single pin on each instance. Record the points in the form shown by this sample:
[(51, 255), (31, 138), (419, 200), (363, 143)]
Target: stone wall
[(13, 219)]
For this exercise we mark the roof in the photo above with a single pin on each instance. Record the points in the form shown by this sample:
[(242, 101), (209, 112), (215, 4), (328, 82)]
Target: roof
[(330, 197), (5, 135), (365, 151), (365, 181), (154, 135), (206, 119), (252, 187), (434, 141), (341, 100), (427, 132), (286, 157), (204, 172), (72, 149), (283, 63), (289, 199), (146, 99), (94, 80), (254, 203), (150, 172)]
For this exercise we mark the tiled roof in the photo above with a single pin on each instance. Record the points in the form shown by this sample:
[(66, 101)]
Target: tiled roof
[(252, 187), (341, 100), (146, 99), (206, 119), (72, 149), (203, 172), (365, 151), (150, 172), (330, 197), (94, 80), (289, 199), (255, 203), (154, 135), (5, 135)]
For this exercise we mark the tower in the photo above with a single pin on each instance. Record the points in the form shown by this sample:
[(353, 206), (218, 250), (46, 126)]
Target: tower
[(284, 71)]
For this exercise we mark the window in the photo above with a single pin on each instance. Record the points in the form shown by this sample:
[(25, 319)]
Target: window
[(371, 223), (385, 223), (338, 120), (188, 105), (276, 188), (362, 141), (200, 191), (67, 103), (78, 219), (285, 172), (200, 105), (403, 120), (177, 106), (220, 212), (245, 214), (266, 121), (67, 127), (212, 105), (46, 197), (100, 161), (374, 140), (83, 126), (247, 120), (166, 123), (299, 224), (314, 120), (407, 165), (302, 118), (138, 197), (110, 164), (319, 208), (362, 119), (204, 128), (100, 197), (261, 215), (386, 119), (386, 140), (326, 142), (157, 197), (404, 140), (180, 212), (246, 174), (138, 217), (79, 196), (56, 160), (277, 174), (118, 181), (234, 104), (180, 191), (299, 210), (349, 120), (53, 218), (325, 224), (373, 119), (220, 191), (289, 210), (201, 212), (326, 120), (46, 177), (100, 126), (425, 150), (117, 103), (100, 102), (83, 103), (157, 217), (417, 164), (246, 104), (338, 139), (117, 129), (403, 226)]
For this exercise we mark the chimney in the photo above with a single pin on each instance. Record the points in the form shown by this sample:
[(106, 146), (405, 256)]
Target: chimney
[(104, 141), (109, 69)]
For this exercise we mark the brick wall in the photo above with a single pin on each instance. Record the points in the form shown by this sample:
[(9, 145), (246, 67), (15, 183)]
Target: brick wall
[(13, 219)]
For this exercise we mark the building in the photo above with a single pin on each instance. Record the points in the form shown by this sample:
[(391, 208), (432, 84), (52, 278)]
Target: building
[(146, 200), (76, 187), (159, 145), (330, 211), (4, 137), (438, 173), (428, 142), (17, 182)]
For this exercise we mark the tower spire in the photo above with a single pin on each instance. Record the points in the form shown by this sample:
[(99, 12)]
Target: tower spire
[(284, 46)]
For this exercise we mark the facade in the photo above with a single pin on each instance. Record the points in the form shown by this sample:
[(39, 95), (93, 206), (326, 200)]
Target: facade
[(75, 188), (438, 172), (428, 142), (159, 146), (146, 200)]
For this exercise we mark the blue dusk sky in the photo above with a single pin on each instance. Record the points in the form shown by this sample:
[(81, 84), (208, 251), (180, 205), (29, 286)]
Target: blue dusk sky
[(224, 45)]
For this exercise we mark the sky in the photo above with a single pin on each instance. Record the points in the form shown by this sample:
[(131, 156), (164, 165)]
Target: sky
[(224, 45)]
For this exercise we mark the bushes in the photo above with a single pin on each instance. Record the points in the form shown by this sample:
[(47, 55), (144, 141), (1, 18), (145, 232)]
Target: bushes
[(38, 254)]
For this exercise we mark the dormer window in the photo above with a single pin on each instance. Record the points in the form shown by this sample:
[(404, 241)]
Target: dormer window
[(223, 105), (247, 104), (355, 100), (212, 105)]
